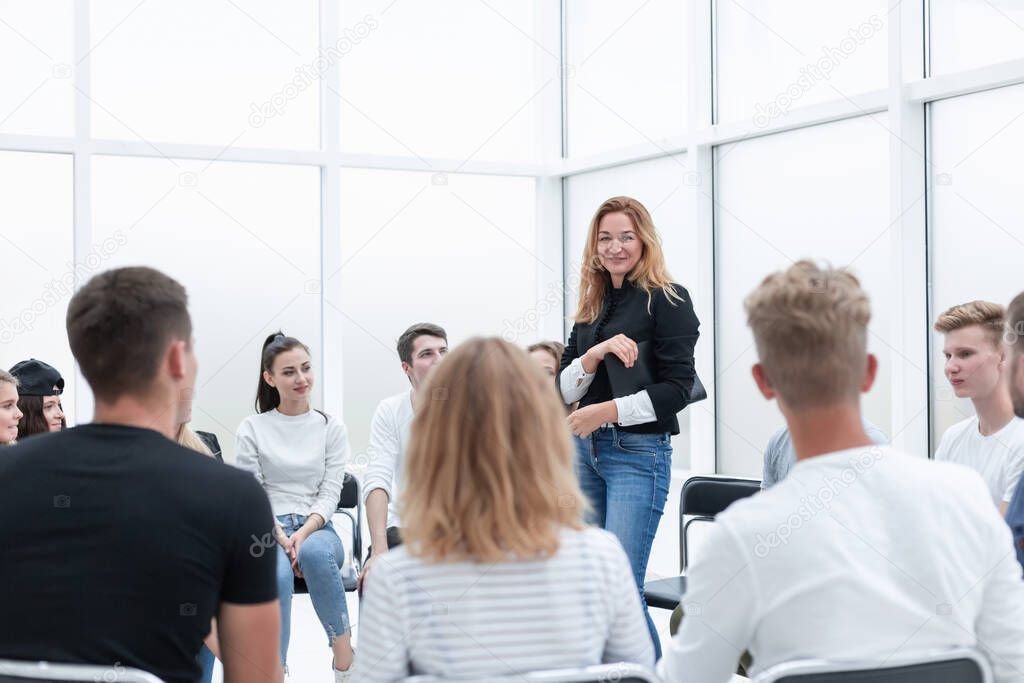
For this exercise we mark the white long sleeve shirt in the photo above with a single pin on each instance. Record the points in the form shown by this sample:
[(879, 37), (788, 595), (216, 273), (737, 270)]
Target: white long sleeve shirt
[(857, 555), (299, 459), (578, 607), (634, 409), (389, 436)]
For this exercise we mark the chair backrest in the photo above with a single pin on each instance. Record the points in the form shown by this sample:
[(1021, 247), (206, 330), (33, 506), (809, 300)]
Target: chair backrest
[(18, 672), (350, 497), (961, 665), (704, 497), (602, 673)]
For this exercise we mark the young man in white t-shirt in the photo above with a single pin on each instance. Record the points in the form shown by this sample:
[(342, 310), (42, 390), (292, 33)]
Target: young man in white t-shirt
[(420, 348), (991, 441), (863, 553)]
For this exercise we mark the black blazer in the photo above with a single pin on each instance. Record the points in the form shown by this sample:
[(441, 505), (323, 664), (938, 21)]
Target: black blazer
[(672, 328), (210, 439)]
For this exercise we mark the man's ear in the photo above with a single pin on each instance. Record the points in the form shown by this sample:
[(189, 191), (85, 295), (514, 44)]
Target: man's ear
[(761, 379), (177, 362), (870, 374)]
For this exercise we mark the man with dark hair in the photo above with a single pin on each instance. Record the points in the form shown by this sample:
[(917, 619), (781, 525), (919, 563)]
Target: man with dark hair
[(420, 348), (121, 545)]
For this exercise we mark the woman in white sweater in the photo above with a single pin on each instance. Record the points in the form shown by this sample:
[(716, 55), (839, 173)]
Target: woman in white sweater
[(299, 454), (498, 574)]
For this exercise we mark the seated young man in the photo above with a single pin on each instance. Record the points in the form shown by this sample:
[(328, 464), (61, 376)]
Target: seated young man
[(420, 348), (779, 456), (992, 440), (862, 553), (119, 544)]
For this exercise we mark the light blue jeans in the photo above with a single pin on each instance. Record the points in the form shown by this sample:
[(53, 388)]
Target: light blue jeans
[(625, 476), (320, 559)]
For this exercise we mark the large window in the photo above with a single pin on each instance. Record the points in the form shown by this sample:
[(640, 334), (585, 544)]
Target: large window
[(457, 251), (244, 241), (978, 243), (966, 34), (816, 193), (38, 273)]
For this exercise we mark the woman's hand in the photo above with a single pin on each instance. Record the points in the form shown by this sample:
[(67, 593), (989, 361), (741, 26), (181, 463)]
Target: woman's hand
[(297, 540), (584, 421), (621, 346)]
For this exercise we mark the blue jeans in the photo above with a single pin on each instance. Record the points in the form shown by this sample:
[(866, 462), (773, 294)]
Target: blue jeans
[(320, 559), (625, 476), (206, 660)]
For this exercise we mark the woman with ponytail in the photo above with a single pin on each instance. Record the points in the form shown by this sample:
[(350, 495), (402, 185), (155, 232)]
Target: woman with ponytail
[(299, 455)]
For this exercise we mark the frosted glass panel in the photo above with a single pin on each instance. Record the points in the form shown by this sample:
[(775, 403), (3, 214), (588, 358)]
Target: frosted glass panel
[(37, 277), (244, 240), (822, 193), (467, 81), (977, 230), (773, 57), (626, 77), (966, 34), (36, 67), (455, 250), (218, 73), (667, 188)]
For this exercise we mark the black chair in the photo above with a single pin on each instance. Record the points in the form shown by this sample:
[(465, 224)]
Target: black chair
[(350, 504), (601, 673), (701, 499), (962, 665), (48, 672)]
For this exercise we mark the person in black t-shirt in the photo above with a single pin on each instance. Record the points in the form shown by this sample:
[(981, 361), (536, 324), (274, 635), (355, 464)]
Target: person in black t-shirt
[(119, 544)]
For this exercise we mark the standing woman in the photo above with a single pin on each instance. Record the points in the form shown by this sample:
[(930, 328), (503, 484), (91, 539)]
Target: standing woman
[(10, 414), (623, 443), (299, 454), (39, 390)]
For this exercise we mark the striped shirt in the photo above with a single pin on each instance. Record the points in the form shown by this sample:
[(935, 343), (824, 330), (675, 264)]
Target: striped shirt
[(579, 607)]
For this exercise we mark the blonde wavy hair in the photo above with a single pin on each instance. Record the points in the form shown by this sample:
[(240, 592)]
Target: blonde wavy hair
[(810, 327), (649, 274), (489, 468)]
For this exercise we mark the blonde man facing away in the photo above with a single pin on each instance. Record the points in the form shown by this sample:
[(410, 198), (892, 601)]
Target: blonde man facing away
[(991, 441), (497, 574), (864, 553)]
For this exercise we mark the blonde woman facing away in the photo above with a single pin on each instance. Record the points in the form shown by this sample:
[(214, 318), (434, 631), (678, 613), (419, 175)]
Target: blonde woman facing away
[(498, 574)]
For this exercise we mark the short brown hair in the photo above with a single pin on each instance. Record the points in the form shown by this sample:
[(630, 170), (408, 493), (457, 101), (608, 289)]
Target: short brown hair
[(991, 317), (1015, 322), (555, 348), (489, 469), (810, 328), (120, 323), (418, 330)]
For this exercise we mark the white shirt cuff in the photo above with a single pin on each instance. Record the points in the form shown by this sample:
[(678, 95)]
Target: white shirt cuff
[(635, 409), (574, 382)]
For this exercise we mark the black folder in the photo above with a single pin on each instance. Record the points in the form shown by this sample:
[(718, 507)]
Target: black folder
[(626, 381)]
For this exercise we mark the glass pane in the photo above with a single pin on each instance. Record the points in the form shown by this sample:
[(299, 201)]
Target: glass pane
[(626, 75), (773, 57), (457, 250), (36, 218), (37, 67), (820, 193), (468, 82), (966, 34), (977, 235), (667, 188), (244, 240), (219, 73)]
